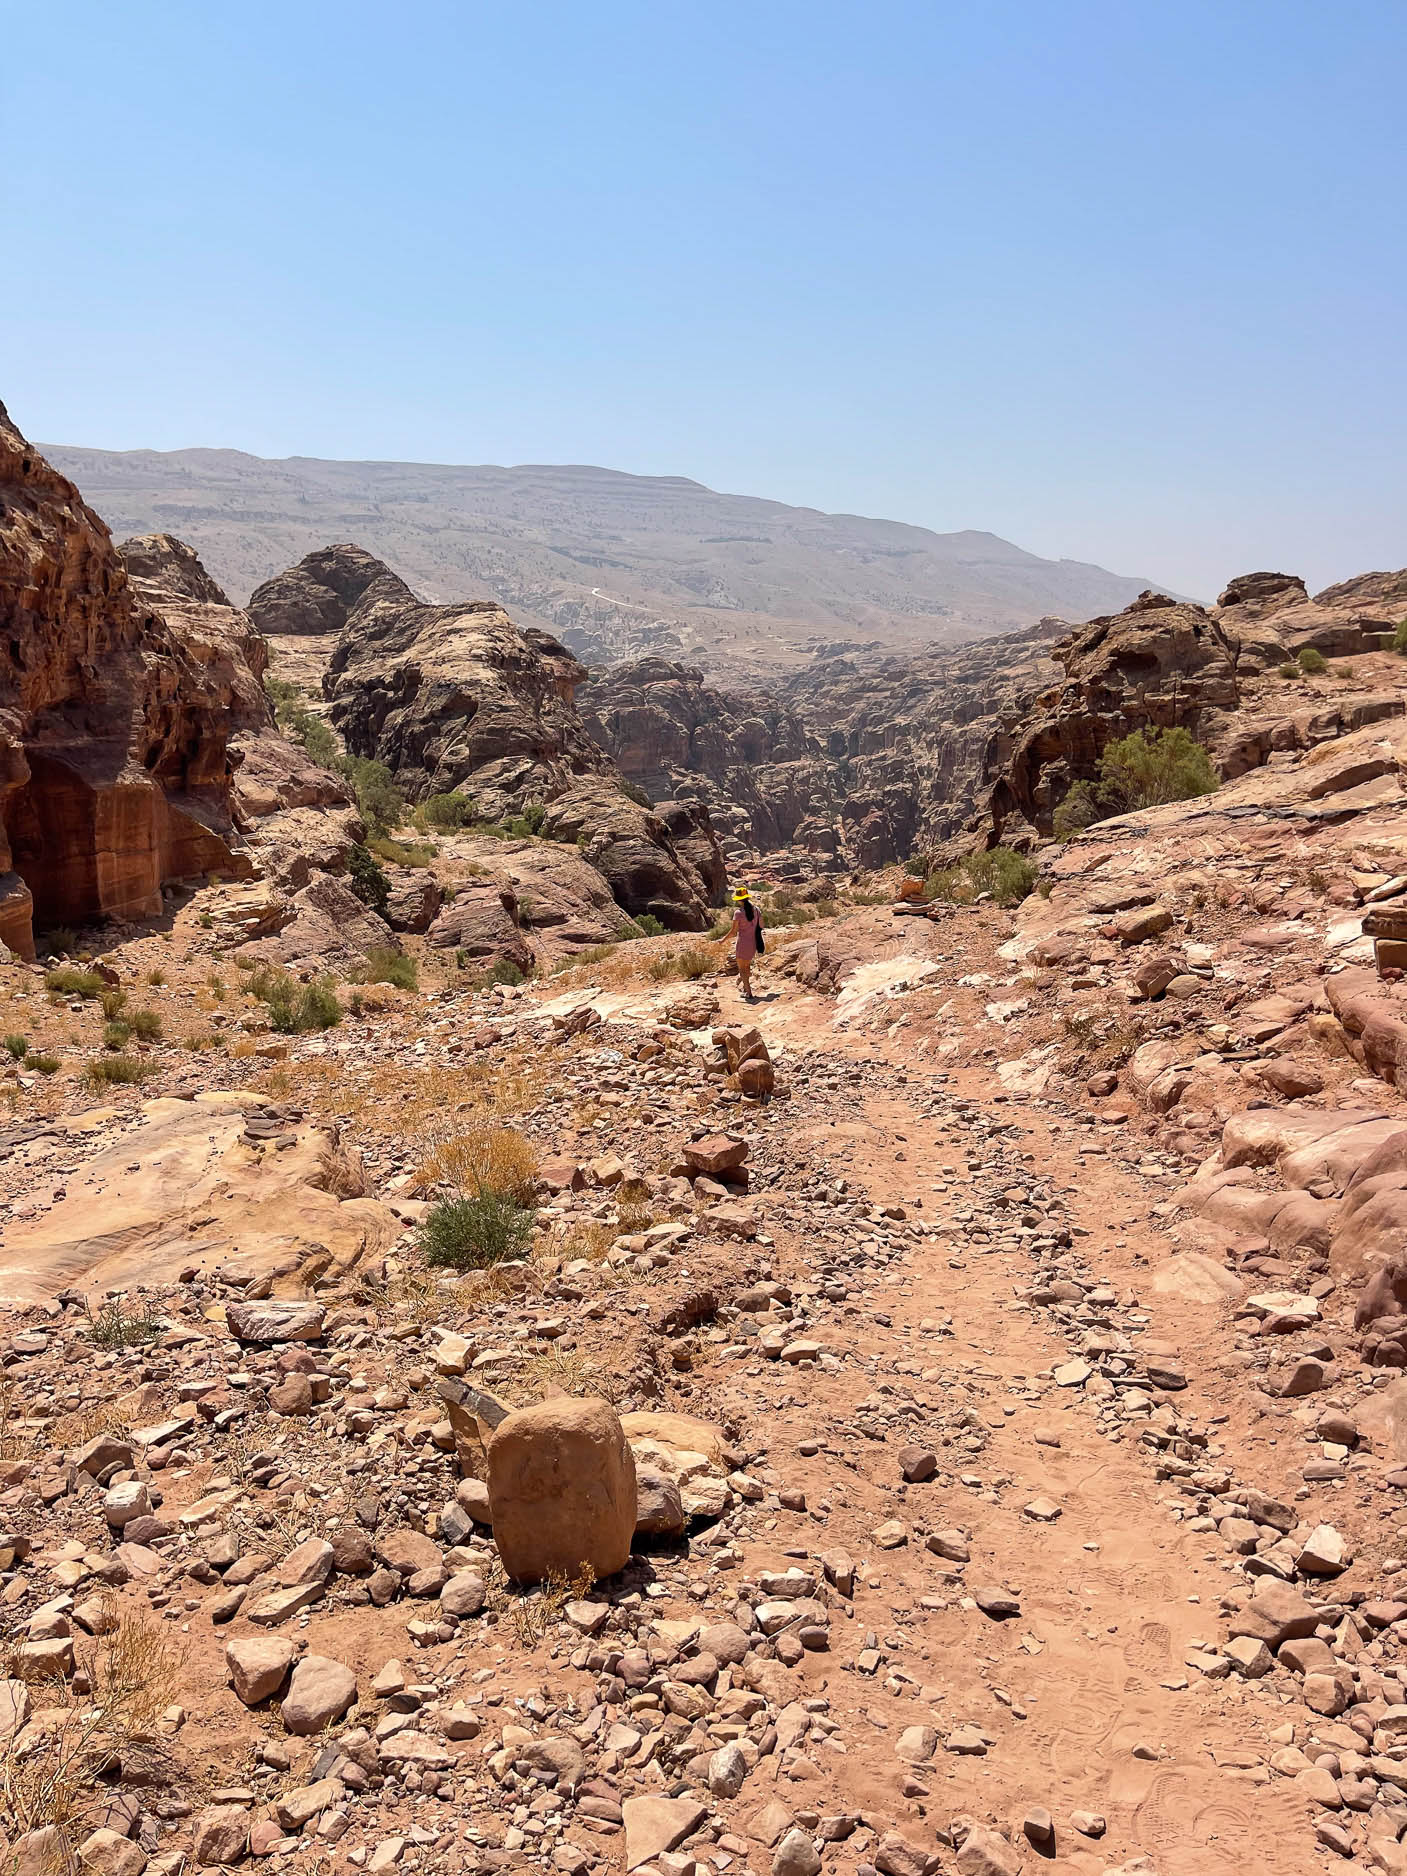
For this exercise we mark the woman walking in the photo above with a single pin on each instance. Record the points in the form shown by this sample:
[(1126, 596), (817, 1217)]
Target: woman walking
[(747, 932)]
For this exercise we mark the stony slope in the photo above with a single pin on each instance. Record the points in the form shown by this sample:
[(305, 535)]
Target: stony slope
[(616, 565), (1005, 1493)]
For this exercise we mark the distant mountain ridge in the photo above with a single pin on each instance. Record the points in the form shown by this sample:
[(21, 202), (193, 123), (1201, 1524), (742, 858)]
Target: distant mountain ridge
[(615, 564)]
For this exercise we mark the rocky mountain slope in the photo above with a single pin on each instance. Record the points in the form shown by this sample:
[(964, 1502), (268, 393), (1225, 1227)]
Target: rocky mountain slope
[(615, 565), (458, 699), (861, 761)]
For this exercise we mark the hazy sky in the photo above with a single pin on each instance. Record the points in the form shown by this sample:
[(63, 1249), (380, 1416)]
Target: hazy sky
[(1121, 280)]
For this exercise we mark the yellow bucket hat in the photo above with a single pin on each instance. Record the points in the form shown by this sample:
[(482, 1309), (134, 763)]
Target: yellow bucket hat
[(741, 895)]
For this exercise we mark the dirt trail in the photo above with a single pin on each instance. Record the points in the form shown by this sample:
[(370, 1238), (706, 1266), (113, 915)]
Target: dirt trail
[(1084, 1696)]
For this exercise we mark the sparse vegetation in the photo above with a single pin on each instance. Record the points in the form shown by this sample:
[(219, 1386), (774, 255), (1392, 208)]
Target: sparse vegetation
[(1288, 670), (505, 971), (17, 1047), (116, 1035), (402, 852), (692, 962), (385, 966), (1006, 876), (68, 981), (474, 1232), (649, 926), (527, 825), (116, 1070), (145, 1025), (482, 1158), (295, 1008), (43, 1064), (1310, 661), (1399, 639), (114, 1325)]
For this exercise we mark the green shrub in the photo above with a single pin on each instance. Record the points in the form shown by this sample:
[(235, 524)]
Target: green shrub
[(68, 981), (145, 1025), (916, 866), (633, 792), (1310, 661), (116, 1036), (381, 803), (1144, 770), (1288, 670), (42, 1064), (295, 1008), (1007, 876), (17, 1047), (473, 1233), (1399, 640), (367, 879), (113, 1003), (62, 939), (385, 966), (446, 811), (124, 1070), (505, 971), (1147, 769), (527, 825), (114, 1326), (648, 926), (318, 1007)]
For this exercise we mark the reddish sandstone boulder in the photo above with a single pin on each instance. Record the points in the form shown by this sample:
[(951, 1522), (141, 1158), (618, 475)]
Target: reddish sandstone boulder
[(562, 1490)]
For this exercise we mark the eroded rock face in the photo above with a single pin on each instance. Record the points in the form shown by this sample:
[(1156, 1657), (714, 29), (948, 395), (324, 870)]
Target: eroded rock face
[(458, 698), (114, 730), (1160, 665), (137, 746)]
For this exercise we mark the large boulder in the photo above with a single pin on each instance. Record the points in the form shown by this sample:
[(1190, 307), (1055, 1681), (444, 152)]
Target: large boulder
[(562, 1491)]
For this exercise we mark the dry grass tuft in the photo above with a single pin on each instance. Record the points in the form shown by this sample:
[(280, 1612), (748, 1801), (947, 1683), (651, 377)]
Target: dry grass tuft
[(54, 1781), (481, 1158)]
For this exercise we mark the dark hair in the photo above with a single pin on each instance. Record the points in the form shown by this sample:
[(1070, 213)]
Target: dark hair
[(748, 909)]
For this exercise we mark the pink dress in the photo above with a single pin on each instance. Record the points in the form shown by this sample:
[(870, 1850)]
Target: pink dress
[(745, 931)]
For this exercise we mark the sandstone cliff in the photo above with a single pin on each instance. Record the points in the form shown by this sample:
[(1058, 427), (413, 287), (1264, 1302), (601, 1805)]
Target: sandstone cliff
[(114, 732), (459, 699)]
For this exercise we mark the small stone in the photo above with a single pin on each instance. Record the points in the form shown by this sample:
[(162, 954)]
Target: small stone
[(256, 1665), (320, 1691), (918, 1464), (796, 1855), (110, 1853)]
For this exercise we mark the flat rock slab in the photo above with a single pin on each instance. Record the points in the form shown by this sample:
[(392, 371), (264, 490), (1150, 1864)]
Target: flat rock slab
[(655, 1825)]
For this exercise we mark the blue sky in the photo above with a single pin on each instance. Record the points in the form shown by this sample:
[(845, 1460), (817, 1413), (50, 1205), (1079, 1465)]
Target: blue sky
[(1119, 280)]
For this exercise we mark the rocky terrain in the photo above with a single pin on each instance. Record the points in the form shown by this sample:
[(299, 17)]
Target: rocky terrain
[(615, 565), (458, 699), (945, 1418), (862, 761), (137, 747), (967, 1373)]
